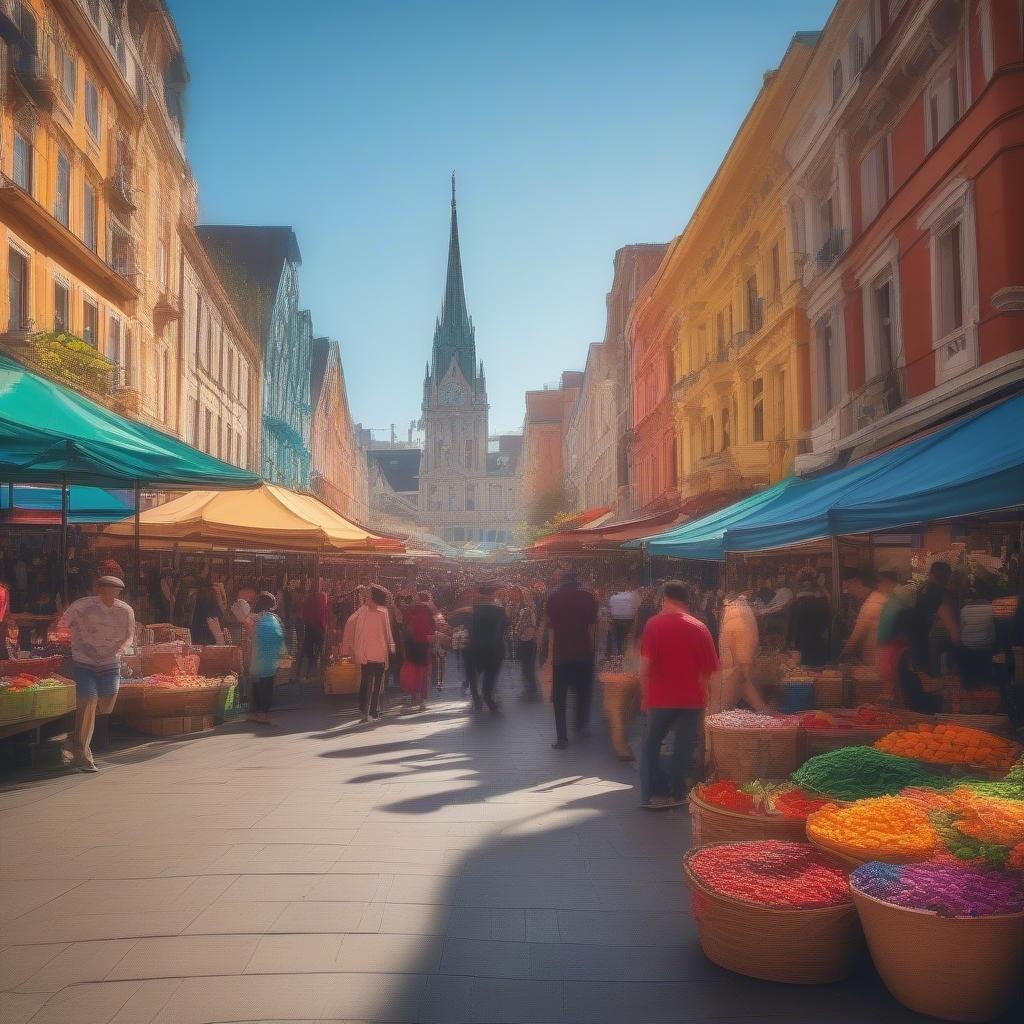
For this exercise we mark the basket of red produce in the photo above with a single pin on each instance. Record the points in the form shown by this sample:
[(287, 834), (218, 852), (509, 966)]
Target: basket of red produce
[(779, 911), (723, 812)]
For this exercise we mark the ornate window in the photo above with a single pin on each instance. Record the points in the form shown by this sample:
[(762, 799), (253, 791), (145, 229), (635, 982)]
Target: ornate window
[(451, 393)]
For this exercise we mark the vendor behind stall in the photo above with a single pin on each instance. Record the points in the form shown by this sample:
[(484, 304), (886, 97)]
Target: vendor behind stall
[(871, 595), (810, 622), (101, 628), (207, 619)]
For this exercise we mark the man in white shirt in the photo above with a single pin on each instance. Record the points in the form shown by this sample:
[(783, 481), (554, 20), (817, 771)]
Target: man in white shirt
[(622, 607), (101, 628)]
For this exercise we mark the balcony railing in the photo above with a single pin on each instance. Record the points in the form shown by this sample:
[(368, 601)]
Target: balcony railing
[(39, 81), (831, 250), (877, 398), (121, 189), (757, 315), (68, 359), (686, 381)]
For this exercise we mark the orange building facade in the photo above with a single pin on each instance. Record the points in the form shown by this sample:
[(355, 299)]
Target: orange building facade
[(546, 423)]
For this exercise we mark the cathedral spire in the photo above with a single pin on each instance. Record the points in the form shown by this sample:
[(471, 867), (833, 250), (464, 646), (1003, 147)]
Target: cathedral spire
[(454, 334)]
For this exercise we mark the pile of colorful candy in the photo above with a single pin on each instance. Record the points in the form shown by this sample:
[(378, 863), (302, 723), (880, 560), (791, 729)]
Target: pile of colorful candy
[(726, 795), (740, 719), (20, 683), (780, 799), (853, 773), (772, 874), (161, 681), (797, 804), (871, 716), (823, 720), (881, 828), (1009, 787), (947, 890), (950, 744), (988, 819)]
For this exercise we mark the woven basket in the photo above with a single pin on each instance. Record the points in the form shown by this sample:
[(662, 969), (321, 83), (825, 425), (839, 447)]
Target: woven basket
[(797, 947), (717, 825), (953, 968), (17, 706), (867, 687), (342, 677), (54, 700), (824, 741), (747, 754), (971, 702), (853, 857), (997, 725), (219, 660), (828, 690), (149, 702)]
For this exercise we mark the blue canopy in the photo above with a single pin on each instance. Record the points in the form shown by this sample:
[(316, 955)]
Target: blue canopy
[(85, 504), (972, 466)]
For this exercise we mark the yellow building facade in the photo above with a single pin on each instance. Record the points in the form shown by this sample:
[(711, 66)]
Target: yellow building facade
[(72, 109), (730, 287)]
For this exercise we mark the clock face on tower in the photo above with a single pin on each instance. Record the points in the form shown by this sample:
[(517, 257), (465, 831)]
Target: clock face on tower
[(451, 393)]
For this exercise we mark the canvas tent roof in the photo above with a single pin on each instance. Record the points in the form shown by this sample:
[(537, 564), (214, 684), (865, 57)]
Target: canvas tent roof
[(267, 518), (972, 466), (49, 432)]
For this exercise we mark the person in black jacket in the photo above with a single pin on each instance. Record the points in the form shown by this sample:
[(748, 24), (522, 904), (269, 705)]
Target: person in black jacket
[(486, 647), (810, 622)]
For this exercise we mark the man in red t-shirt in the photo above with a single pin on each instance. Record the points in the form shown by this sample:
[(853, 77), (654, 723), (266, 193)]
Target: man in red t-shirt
[(677, 656), (568, 632)]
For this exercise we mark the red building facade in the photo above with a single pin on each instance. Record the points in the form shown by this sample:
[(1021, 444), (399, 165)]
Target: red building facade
[(913, 240)]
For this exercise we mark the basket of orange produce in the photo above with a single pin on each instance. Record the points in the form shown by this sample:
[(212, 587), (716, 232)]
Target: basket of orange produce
[(953, 746)]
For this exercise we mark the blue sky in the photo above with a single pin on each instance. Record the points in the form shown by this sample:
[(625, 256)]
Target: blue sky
[(575, 127)]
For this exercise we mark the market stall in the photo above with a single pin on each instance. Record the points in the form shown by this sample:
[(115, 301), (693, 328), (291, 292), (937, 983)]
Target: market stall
[(269, 537), (51, 435), (912, 846), (955, 494)]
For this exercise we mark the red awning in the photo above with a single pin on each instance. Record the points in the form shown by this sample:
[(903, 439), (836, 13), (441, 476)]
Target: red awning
[(608, 536)]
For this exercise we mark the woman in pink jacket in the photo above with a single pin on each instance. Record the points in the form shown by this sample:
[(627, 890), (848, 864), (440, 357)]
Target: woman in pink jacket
[(368, 640)]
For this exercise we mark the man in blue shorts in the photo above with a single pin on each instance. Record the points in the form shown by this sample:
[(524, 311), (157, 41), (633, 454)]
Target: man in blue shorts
[(101, 628)]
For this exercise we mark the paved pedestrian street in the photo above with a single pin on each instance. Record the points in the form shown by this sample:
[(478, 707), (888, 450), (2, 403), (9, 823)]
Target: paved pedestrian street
[(431, 867)]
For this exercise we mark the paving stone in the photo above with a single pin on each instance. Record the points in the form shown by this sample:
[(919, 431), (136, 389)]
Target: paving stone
[(19, 963), (185, 956), (432, 868)]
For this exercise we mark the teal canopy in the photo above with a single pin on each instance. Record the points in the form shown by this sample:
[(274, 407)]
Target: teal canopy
[(49, 433), (85, 504), (970, 467)]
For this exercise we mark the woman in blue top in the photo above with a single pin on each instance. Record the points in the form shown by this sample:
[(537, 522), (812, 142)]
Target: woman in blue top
[(268, 648)]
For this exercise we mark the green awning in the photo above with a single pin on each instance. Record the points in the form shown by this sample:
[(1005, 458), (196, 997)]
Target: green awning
[(49, 433)]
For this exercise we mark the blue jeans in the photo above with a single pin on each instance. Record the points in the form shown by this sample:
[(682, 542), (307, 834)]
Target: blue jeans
[(685, 724), (95, 683)]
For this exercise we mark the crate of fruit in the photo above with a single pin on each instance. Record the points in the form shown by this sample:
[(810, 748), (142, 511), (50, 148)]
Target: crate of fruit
[(53, 697), (16, 705)]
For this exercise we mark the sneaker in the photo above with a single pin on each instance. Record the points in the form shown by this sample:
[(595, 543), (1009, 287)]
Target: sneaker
[(364, 718), (662, 803), (560, 745), (422, 706)]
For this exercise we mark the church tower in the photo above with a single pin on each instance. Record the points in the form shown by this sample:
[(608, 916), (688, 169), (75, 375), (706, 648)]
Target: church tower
[(453, 470)]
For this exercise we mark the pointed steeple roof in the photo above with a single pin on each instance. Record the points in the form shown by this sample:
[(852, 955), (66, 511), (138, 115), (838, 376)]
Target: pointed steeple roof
[(454, 334)]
